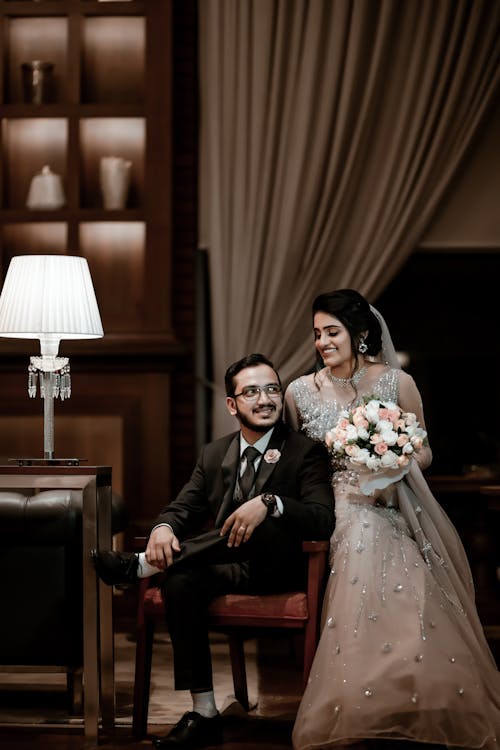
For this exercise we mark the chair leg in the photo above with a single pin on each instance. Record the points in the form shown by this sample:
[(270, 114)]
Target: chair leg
[(74, 683), (237, 653), (142, 682)]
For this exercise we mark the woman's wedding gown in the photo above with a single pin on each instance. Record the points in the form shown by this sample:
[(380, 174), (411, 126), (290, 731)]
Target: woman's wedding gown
[(402, 654)]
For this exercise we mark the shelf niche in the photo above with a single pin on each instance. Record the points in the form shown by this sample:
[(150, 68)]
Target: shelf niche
[(31, 39), (29, 145), (123, 137), (113, 60)]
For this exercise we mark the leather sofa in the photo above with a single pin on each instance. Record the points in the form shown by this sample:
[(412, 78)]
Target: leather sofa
[(41, 578)]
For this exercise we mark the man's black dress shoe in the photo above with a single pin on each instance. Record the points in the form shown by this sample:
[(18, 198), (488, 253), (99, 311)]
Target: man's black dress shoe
[(192, 731), (116, 568)]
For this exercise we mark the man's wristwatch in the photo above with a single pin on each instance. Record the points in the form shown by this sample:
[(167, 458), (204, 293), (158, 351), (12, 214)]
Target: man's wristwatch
[(270, 503)]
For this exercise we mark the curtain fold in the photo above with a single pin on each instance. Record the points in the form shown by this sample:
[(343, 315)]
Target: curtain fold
[(330, 132)]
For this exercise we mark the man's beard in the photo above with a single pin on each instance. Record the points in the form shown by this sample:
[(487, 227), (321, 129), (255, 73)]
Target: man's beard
[(258, 427)]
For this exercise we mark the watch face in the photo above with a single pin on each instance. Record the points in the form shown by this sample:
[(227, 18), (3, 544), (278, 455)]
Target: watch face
[(269, 500)]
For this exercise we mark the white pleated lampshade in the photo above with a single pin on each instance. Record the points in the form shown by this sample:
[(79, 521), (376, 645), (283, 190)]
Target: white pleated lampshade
[(49, 297)]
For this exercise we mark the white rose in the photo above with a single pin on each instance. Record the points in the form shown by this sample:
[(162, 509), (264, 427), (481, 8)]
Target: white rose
[(338, 446), (391, 405), (409, 417), (384, 425), (389, 437), (362, 456), (351, 432), (371, 411), (373, 463), (408, 448), (363, 433), (389, 460), (411, 430)]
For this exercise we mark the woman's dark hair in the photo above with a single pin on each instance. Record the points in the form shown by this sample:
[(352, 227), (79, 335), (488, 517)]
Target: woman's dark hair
[(354, 312)]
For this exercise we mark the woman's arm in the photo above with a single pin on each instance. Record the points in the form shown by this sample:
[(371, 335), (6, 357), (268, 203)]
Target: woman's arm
[(411, 400), (290, 410)]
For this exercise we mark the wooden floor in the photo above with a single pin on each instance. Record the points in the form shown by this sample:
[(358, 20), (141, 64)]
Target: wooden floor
[(33, 714), (33, 710)]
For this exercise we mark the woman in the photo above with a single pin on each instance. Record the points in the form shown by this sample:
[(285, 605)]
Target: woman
[(402, 654)]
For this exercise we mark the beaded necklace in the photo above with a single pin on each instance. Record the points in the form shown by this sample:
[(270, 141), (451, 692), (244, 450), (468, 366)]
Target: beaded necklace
[(345, 382)]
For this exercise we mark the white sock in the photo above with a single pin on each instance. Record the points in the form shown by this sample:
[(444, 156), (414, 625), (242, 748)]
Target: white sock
[(145, 570), (204, 704)]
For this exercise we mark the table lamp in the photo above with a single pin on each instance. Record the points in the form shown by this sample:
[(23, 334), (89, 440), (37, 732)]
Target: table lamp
[(49, 297)]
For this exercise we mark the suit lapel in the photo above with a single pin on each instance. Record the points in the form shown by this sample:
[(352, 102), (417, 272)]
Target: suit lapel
[(229, 468), (266, 469)]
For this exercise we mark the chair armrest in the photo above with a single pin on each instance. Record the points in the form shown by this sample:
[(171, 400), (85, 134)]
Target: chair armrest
[(139, 543), (317, 557), (315, 546)]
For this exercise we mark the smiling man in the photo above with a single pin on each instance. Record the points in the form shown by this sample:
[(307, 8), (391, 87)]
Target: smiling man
[(264, 489)]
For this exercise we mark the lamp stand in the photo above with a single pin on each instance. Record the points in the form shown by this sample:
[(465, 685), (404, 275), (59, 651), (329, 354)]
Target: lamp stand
[(48, 414), (55, 382)]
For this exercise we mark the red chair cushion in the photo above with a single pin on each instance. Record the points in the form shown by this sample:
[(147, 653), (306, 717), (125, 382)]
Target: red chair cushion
[(289, 606)]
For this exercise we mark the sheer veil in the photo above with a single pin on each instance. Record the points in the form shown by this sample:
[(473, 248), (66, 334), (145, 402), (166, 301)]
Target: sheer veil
[(441, 548), (387, 355)]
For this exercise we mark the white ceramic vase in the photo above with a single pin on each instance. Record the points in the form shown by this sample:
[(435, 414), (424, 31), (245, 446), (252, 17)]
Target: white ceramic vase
[(115, 181)]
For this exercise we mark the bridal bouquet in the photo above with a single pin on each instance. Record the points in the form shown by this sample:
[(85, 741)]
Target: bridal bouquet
[(379, 436)]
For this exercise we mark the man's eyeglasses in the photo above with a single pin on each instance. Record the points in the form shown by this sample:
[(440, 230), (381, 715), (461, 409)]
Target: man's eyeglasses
[(252, 392)]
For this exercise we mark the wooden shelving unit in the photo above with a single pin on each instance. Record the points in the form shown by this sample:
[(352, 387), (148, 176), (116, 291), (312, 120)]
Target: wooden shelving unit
[(110, 96)]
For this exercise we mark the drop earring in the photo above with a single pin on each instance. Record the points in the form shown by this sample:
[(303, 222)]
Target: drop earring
[(362, 347)]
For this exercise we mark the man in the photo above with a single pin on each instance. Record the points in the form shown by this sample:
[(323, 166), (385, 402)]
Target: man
[(265, 489)]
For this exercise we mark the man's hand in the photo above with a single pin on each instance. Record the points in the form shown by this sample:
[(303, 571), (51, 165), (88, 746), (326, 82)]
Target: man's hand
[(161, 547), (243, 521)]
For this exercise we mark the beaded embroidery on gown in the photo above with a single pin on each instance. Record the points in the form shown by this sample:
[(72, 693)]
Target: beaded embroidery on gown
[(402, 654)]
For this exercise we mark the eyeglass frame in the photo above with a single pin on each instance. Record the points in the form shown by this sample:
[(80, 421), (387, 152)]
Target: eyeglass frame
[(260, 389)]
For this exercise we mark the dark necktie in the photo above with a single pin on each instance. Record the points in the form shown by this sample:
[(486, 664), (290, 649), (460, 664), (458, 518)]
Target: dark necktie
[(247, 479)]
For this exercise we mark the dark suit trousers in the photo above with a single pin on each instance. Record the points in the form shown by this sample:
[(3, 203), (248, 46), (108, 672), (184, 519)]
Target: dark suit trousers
[(271, 561)]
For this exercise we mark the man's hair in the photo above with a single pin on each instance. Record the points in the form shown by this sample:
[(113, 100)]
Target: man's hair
[(251, 360)]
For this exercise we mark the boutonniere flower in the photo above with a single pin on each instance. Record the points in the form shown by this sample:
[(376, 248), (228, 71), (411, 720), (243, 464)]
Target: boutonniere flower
[(272, 456)]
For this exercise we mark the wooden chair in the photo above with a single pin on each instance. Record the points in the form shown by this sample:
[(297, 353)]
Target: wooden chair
[(239, 616)]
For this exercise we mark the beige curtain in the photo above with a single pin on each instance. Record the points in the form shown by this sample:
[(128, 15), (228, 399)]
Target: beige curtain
[(330, 131)]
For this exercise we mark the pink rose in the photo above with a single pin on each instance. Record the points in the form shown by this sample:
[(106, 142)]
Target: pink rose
[(329, 439), (393, 415), (383, 413), (376, 438), (272, 456), (399, 424), (343, 423), (381, 448), (402, 440), (352, 450), (358, 420), (417, 443), (403, 460)]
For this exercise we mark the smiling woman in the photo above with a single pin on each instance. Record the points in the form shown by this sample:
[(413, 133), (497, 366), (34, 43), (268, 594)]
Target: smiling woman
[(402, 653)]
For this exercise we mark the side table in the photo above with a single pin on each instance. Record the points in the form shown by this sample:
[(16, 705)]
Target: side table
[(94, 484)]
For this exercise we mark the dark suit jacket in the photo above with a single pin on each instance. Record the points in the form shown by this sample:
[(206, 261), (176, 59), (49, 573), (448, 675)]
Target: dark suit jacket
[(301, 478)]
